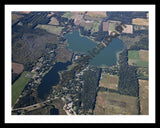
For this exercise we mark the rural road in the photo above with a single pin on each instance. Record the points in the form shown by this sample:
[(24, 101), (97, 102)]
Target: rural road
[(31, 105)]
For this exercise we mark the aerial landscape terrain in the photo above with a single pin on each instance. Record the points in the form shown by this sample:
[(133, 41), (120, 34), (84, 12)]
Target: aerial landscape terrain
[(58, 69)]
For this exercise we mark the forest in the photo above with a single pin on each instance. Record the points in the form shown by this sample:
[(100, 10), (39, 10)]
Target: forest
[(90, 87), (128, 81)]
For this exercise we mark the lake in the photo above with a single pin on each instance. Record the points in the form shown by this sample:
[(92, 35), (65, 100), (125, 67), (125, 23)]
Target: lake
[(78, 43), (82, 44), (51, 79)]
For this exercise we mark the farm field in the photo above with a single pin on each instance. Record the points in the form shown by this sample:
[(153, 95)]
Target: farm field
[(109, 103), (128, 29), (19, 85), (92, 15), (138, 58), (140, 21), (109, 81), (53, 21), (112, 25), (96, 13), (51, 29), (17, 68), (143, 94), (105, 26), (143, 55), (93, 26)]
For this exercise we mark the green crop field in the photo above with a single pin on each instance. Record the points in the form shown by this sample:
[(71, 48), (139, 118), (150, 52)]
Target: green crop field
[(19, 85), (136, 58), (133, 54)]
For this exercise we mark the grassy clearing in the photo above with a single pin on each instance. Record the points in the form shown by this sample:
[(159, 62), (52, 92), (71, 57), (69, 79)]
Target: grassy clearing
[(51, 29), (133, 54), (112, 27), (142, 73), (142, 63), (19, 85), (67, 15), (93, 26)]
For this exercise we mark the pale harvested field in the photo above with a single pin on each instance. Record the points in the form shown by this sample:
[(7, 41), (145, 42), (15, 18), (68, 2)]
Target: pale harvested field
[(17, 68), (96, 13), (147, 15), (143, 55), (143, 94), (140, 21), (128, 29), (51, 13), (108, 103), (24, 12), (16, 17), (105, 26), (53, 21)]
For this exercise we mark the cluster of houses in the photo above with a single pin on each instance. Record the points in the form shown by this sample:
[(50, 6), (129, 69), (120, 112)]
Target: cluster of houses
[(40, 68), (68, 109)]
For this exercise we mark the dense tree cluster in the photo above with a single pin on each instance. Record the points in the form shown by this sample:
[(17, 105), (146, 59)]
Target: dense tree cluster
[(88, 95), (128, 81)]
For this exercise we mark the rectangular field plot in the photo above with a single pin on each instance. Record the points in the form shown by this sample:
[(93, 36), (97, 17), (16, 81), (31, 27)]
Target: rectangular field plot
[(109, 103), (138, 58), (51, 29), (109, 81), (19, 85), (143, 94)]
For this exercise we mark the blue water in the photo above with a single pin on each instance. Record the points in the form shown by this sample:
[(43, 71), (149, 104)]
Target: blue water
[(50, 79), (107, 56)]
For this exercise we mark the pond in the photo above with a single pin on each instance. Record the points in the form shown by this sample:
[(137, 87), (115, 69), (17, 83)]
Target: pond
[(107, 56)]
